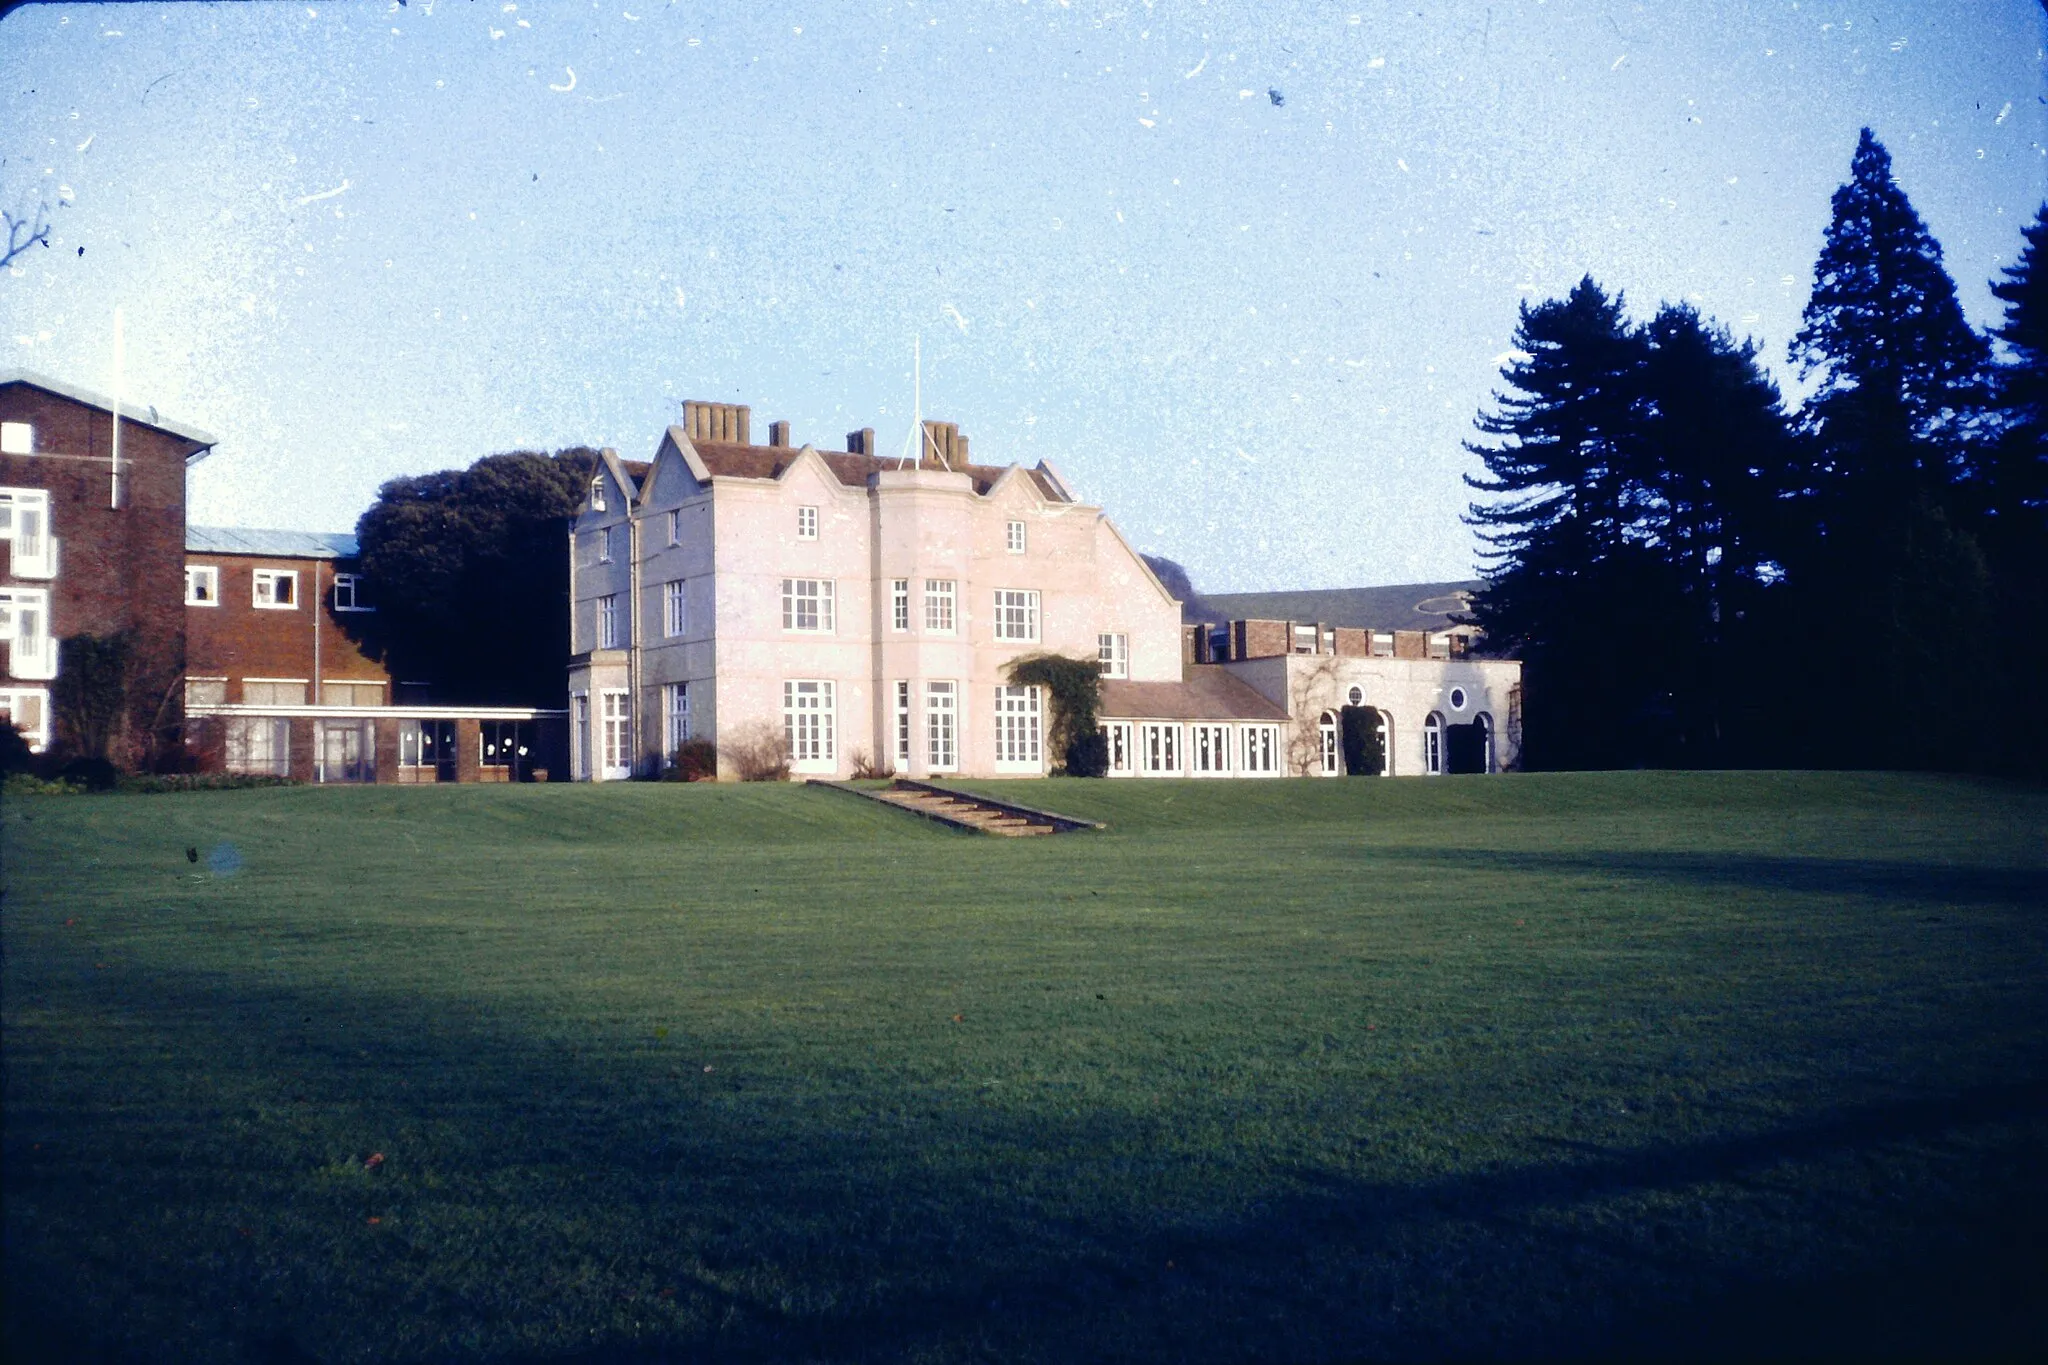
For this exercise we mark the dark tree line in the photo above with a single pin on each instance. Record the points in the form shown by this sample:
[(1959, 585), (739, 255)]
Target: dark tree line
[(469, 571), (1695, 574)]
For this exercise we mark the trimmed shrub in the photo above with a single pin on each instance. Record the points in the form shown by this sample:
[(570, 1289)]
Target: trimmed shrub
[(1088, 756)]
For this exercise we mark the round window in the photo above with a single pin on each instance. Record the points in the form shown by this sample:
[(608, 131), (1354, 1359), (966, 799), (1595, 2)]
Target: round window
[(1356, 696), (1457, 699)]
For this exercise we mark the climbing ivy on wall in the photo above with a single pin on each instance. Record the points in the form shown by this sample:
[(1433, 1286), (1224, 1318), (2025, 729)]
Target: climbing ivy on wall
[(1075, 688)]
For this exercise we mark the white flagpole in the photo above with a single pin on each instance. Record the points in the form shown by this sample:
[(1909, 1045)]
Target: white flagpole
[(114, 484)]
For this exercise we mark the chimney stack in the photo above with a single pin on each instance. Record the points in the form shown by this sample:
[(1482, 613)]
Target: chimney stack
[(703, 421), (778, 433), (861, 442), (944, 446)]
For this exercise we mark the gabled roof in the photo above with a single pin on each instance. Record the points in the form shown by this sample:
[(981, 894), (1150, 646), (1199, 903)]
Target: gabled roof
[(1402, 606), (146, 414), (730, 460), (244, 540), (1207, 693)]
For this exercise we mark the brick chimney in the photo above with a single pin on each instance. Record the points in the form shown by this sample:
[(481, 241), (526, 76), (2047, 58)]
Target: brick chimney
[(717, 422), (861, 442), (944, 447), (778, 433)]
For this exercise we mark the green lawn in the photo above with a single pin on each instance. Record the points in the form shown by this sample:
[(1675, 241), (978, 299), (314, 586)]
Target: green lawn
[(1603, 1064)]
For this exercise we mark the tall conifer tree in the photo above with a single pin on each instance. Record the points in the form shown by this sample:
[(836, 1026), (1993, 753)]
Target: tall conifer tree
[(1893, 580)]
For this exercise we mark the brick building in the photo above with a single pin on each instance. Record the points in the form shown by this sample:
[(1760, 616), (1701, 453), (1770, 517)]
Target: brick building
[(92, 512), (277, 683)]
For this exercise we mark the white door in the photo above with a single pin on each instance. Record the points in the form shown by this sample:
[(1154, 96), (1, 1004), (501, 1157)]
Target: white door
[(618, 741)]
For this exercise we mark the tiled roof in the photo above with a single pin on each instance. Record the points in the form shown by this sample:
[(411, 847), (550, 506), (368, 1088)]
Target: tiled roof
[(766, 462), (1208, 693), (244, 540), (1404, 606)]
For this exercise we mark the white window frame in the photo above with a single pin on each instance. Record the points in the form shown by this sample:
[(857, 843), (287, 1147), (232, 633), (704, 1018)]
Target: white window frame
[(942, 726), (1433, 745), (675, 526), (1123, 748), (615, 717), (25, 628), (1020, 729), (899, 604), (1013, 537), (604, 544), (675, 719), (217, 684), (259, 744), (298, 700), (597, 494), (1113, 651), (348, 592), (206, 578), (1016, 619), (1383, 644), (25, 524), (1260, 751), (608, 621), (1160, 748), (808, 723), (1329, 745), (1209, 749), (941, 606), (15, 700), (903, 736), (675, 609), (17, 438), (263, 585), (815, 593), (806, 523)]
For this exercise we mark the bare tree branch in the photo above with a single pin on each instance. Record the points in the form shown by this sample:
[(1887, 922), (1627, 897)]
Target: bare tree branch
[(25, 232)]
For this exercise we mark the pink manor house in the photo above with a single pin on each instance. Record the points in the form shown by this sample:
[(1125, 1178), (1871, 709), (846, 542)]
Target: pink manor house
[(866, 610)]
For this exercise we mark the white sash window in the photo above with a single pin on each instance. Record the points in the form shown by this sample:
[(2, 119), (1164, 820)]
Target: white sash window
[(938, 605), (28, 710), (941, 726), (675, 718), (1017, 615), (618, 737), (1018, 727), (903, 725), (807, 716), (25, 523), (25, 628), (807, 605)]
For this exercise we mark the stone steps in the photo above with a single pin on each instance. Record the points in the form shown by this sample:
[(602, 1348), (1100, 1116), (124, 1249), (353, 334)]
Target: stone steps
[(961, 810)]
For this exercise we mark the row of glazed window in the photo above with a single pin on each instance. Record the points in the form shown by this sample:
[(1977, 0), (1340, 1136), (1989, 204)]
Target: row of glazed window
[(810, 607), (806, 527), (346, 750), (270, 589)]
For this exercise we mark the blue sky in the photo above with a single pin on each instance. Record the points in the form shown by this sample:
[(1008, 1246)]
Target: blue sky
[(1244, 272)]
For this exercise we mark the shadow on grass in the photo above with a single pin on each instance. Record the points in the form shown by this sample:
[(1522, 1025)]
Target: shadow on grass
[(2018, 887), (549, 1203)]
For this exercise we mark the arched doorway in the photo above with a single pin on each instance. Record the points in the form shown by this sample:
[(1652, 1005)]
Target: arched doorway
[(1329, 751), (1433, 744)]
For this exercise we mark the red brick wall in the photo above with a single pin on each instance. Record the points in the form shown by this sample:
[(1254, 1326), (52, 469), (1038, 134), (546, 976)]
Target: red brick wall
[(1259, 639), (237, 639), (117, 568)]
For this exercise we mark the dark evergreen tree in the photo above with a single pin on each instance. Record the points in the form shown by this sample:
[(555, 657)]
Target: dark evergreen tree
[(1898, 369), (469, 572), (1566, 562), (1892, 580), (2014, 527), (1723, 474)]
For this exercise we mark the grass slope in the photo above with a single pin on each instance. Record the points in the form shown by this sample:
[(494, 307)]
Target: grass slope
[(1300, 1070)]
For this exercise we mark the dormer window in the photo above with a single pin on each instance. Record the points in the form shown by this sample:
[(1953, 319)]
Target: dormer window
[(1015, 535), (597, 495), (806, 523)]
